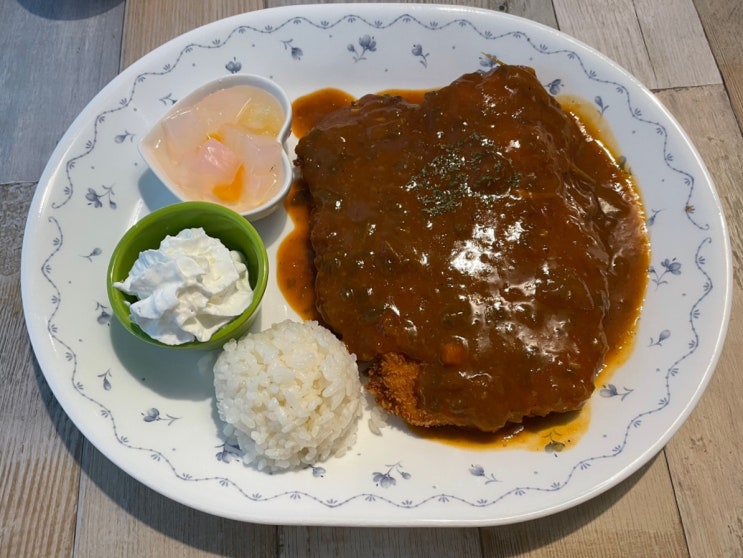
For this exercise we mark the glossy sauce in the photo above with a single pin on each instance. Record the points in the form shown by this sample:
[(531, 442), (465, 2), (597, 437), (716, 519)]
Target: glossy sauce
[(310, 109), (296, 271), (296, 254), (556, 432)]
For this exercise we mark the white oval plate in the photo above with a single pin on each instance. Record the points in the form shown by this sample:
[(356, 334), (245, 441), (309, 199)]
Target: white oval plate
[(153, 412)]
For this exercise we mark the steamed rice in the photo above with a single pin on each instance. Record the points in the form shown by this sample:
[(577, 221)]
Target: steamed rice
[(290, 395)]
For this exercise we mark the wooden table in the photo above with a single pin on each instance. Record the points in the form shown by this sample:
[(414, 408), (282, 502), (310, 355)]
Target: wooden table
[(59, 496)]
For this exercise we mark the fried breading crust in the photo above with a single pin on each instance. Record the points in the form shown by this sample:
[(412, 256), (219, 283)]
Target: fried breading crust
[(392, 380)]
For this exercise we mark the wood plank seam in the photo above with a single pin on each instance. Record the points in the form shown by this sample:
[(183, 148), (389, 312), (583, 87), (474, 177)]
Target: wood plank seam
[(645, 46)]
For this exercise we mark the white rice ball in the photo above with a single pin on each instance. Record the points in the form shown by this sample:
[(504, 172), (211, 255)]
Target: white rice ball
[(291, 395)]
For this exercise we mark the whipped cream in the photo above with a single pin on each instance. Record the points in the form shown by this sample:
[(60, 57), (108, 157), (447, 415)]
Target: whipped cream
[(188, 288)]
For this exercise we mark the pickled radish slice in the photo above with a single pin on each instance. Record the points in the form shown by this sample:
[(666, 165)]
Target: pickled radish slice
[(258, 117), (261, 156), (224, 148), (216, 163), (182, 134), (231, 192)]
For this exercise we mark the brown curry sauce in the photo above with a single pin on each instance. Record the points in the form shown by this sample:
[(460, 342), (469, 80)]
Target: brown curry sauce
[(626, 286)]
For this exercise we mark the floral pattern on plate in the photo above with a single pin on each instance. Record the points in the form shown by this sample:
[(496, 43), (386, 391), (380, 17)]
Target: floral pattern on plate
[(153, 413)]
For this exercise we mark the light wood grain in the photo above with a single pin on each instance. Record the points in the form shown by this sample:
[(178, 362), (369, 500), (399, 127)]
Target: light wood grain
[(678, 50), (119, 516), (151, 24), (660, 43), (41, 91), (610, 26), (60, 497), (39, 446), (635, 518), (723, 23), (306, 542)]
